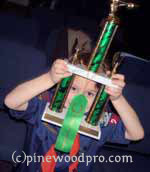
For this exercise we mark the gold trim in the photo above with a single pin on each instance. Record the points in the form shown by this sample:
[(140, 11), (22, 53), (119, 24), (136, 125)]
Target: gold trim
[(94, 105), (65, 97), (53, 98)]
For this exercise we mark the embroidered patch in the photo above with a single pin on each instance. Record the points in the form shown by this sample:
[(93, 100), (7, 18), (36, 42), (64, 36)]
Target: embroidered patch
[(114, 119)]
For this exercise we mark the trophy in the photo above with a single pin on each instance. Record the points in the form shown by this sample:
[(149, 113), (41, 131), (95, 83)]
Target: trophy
[(73, 120)]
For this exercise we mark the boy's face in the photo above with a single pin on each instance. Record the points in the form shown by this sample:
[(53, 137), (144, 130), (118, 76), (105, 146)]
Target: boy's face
[(82, 86)]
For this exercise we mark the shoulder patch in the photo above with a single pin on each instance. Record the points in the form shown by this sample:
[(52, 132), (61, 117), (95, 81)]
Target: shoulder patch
[(114, 119)]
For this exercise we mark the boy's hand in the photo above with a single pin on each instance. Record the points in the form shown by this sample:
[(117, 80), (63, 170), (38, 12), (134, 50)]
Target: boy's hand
[(59, 70), (116, 93)]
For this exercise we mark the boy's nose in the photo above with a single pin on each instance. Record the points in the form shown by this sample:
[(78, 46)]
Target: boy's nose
[(81, 92)]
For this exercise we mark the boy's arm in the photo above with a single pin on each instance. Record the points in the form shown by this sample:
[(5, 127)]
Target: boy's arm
[(134, 129), (18, 98)]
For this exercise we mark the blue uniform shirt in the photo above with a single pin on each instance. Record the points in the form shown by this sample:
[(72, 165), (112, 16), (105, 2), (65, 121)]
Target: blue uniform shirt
[(40, 138)]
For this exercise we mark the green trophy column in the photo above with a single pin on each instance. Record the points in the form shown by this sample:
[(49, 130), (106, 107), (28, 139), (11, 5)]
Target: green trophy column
[(60, 94), (104, 43), (99, 107)]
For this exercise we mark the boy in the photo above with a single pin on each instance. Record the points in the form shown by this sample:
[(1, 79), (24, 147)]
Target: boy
[(23, 104)]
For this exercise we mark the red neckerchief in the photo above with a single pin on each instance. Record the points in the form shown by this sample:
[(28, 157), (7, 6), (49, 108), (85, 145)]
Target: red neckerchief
[(50, 166)]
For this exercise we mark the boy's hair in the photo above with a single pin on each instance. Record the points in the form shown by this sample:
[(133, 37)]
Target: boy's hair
[(84, 58)]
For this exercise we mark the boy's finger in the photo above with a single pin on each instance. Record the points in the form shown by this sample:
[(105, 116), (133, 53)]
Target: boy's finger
[(61, 67), (108, 73), (119, 83), (60, 63), (112, 93), (108, 91), (118, 76), (67, 74), (114, 90), (62, 72), (64, 75)]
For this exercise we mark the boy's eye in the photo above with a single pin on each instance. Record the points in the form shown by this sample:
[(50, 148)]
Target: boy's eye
[(90, 94), (73, 88)]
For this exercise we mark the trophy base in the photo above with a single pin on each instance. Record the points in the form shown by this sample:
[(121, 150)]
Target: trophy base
[(58, 118)]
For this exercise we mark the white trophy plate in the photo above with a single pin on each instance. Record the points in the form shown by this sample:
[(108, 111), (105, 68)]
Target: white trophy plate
[(90, 75)]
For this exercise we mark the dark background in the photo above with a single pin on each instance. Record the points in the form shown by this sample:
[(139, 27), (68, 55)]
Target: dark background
[(134, 23)]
